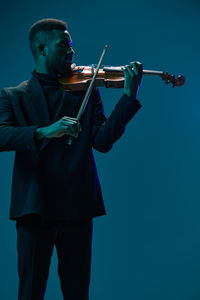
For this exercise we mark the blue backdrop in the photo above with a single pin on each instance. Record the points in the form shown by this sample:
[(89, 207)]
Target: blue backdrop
[(148, 244)]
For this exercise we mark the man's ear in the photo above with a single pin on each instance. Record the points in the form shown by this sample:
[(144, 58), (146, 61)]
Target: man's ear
[(42, 49)]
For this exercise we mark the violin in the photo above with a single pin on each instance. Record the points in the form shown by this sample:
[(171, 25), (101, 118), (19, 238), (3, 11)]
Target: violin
[(85, 78), (110, 77)]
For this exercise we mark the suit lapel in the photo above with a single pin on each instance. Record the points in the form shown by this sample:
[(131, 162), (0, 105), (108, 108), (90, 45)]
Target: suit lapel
[(69, 105), (38, 104)]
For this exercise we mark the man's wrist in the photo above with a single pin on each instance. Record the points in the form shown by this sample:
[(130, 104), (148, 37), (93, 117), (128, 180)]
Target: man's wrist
[(130, 96), (40, 133), (133, 96)]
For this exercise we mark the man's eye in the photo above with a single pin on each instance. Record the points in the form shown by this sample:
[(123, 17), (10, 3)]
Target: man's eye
[(65, 45)]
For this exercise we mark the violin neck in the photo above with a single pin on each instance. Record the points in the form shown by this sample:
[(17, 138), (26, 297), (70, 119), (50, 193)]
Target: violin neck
[(151, 72), (145, 72)]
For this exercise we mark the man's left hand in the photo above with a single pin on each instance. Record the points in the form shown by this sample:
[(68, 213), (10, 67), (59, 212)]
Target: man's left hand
[(132, 78)]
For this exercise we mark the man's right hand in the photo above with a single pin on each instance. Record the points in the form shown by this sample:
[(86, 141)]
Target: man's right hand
[(64, 126)]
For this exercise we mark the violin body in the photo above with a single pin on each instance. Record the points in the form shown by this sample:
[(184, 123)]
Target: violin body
[(82, 76)]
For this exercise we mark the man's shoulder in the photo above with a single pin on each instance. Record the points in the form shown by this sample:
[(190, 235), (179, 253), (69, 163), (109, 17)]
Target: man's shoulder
[(16, 90)]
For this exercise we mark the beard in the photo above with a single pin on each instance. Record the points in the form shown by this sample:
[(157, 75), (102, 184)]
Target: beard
[(60, 67), (66, 70)]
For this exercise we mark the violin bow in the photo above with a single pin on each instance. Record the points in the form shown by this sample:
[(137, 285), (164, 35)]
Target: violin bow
[(87, 95)]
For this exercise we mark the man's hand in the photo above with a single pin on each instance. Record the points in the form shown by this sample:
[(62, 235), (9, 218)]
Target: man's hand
[(133, 77), (64, 126)]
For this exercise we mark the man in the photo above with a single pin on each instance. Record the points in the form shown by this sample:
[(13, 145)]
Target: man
[(55, 187)]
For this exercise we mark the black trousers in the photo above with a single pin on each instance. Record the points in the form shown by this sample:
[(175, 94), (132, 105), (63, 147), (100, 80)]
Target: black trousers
[(35, 241)]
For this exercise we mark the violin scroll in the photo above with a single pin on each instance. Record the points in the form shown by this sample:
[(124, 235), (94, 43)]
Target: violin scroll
[(175, 81)]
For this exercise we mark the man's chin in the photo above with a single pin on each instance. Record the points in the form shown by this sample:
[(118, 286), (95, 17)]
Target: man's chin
[(67, 71)]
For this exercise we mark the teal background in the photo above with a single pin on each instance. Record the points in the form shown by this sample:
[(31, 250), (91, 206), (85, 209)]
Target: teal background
[(148, 244)]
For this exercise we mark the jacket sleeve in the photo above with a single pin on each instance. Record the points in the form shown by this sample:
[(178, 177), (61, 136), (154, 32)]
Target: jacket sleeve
[(107, 131), (12, 136)]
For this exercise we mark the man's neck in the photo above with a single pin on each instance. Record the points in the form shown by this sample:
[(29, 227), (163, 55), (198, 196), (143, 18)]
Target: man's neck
[(41, 69)]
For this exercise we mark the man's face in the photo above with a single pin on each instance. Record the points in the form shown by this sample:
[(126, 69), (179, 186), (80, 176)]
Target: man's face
[(60, 53)]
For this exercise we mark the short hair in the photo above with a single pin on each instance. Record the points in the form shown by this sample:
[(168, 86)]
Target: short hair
[(44, 26)]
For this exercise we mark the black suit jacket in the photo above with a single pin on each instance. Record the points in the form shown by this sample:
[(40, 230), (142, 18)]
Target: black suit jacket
[(53, 179)]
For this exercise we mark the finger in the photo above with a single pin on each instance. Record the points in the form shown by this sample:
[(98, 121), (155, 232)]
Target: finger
[(69, 122), (139, 67), (130, 70), (134, 68), (125, 72), (74, 129), (70, 118), (69, 131), (68, 127), (79, 127)]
